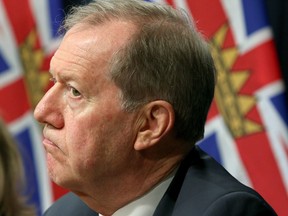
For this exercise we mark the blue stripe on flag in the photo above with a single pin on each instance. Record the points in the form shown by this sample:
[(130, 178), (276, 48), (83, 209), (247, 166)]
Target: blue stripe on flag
[(56, 16), (24, 141), (209, 145), (281, 105), (255, 16), (3, 65)]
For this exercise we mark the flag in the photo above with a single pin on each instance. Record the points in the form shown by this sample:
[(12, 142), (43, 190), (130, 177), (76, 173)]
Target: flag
[(246, 129), (28, 38)]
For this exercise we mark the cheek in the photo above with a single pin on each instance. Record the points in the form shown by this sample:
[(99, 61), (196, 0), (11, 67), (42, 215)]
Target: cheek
[(79, 143), (84, 143), (98, 140)]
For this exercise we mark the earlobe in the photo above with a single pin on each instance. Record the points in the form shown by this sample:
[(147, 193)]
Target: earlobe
[(156, 121)]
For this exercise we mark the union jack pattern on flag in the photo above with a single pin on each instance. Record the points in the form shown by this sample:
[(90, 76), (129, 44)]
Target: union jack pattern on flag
[(246, 129), (28, 37)]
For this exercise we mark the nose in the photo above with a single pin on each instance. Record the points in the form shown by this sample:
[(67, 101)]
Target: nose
[(49, 109)]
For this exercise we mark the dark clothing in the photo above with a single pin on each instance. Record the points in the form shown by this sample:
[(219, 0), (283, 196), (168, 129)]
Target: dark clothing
[(200, 187)]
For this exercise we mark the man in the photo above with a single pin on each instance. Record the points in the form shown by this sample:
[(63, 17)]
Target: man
[(133, 85)]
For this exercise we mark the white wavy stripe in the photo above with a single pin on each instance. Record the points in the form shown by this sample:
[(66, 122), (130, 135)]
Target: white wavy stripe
[(228, 150), (234, 12), (41, 14), (44, 183), (8, 50), (254, 40), (245, 43), (277, 130)]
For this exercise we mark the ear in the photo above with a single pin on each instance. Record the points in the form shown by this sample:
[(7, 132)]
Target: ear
[(156, 120)]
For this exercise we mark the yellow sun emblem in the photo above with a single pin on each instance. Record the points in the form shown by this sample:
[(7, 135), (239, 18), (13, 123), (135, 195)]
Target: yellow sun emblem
[(32, 60), (232, 105)]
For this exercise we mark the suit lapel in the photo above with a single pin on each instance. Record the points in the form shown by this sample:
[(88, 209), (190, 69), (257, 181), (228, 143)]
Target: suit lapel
[(168, 204)]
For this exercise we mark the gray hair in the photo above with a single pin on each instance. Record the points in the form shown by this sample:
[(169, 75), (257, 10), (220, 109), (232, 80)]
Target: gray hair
[(166, 59)]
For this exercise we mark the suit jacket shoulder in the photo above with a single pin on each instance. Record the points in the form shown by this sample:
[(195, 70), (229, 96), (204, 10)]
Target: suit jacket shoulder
[(203, 187), (71, 205)]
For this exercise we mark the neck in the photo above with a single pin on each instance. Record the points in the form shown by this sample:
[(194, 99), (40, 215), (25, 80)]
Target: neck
[(118, 191)]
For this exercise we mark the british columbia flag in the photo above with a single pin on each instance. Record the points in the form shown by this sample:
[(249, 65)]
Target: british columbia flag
[(247, 127), (28, 38)]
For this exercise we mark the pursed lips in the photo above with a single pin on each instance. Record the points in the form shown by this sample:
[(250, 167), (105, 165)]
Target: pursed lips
[(49, 145), (47, 142), (46, 139)]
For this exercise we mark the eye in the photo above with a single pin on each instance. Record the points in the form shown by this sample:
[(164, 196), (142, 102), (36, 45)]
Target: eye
[(74, 92)]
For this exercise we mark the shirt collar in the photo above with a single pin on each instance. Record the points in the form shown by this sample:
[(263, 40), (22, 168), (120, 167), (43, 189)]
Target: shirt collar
[(146, 204)]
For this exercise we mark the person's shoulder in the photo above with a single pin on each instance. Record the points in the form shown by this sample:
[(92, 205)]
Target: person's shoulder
[(206, 170), (240, 203), (71, 205), (209, 188), (218, 191)]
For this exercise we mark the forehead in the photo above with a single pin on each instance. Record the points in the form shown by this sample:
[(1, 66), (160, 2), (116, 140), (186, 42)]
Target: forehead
[(107, 37), (85, 45)]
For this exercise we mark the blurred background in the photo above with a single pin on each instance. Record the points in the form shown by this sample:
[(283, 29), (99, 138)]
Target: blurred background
[(247, 127)]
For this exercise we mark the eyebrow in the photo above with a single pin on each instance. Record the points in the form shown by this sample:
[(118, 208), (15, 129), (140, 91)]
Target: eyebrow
[(65, 77)]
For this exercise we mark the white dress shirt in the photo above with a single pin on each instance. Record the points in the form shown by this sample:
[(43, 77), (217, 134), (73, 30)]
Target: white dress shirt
[(145, 205)]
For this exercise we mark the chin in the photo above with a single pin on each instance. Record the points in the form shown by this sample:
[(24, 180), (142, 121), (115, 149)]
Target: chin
[(66, 182)]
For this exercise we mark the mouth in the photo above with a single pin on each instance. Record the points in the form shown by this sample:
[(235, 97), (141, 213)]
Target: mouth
[(49, 144)]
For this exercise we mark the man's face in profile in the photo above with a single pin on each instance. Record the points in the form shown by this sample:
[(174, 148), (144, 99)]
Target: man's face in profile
[(87, 135)]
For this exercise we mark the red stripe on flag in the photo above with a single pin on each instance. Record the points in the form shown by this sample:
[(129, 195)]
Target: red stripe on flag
[(213, 111), (263, 171), (205, 20), (13, 101), (20, 17), (262, 64)]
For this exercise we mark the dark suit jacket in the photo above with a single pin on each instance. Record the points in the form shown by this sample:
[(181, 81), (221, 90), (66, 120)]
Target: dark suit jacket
[(200, 187)]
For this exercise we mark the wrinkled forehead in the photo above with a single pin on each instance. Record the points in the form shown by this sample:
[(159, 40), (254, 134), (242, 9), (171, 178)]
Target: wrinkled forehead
[(87, 47), (109, 35)]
